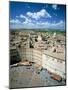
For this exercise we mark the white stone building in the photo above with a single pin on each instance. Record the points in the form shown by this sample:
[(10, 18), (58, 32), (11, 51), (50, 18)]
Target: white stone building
[(53, 62)]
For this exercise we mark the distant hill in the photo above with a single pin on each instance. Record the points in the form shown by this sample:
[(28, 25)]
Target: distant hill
[(41, 29)]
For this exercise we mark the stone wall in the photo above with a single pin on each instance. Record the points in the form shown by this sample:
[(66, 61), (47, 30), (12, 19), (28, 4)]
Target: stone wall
[(54, 65)]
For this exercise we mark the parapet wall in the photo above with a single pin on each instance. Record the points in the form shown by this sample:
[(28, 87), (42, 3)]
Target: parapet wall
[(54, 65), (50, 63)]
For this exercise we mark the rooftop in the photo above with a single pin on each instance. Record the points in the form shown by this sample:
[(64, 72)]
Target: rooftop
[(26, 76), (60, 56)]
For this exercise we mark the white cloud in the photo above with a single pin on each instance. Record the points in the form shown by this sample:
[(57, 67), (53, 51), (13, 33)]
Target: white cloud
[(22, 16), (15, 21), (30, 20), (53, 25), (54, 6), (60, 23), (27, 21), (37, 15)]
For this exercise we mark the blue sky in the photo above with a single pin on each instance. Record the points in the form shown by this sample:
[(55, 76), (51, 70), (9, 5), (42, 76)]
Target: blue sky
[(37, 15)]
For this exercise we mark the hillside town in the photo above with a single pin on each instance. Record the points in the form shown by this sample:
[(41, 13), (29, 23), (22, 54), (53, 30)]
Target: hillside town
[(37, 58)]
